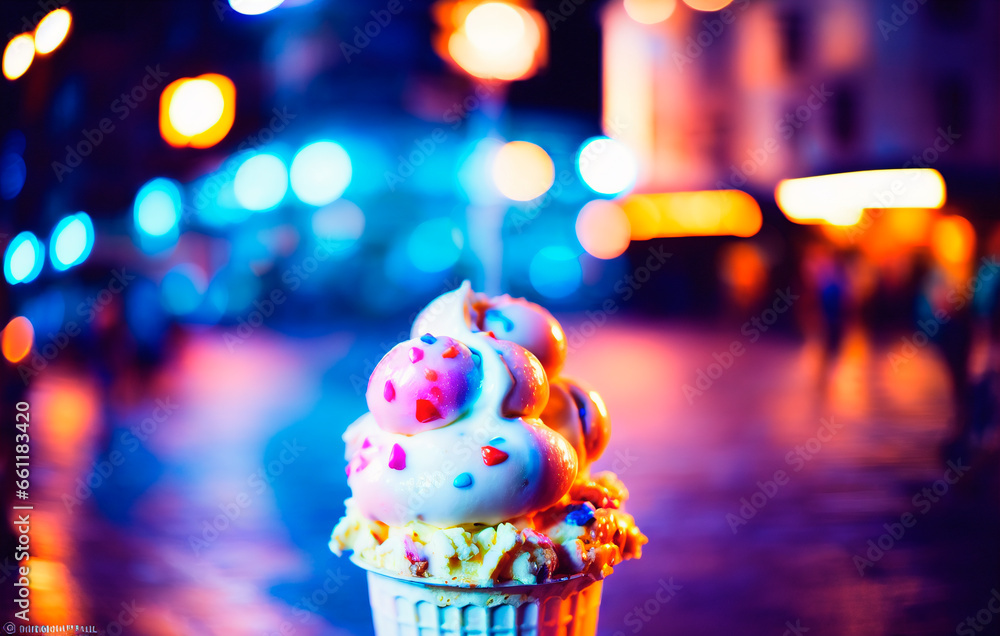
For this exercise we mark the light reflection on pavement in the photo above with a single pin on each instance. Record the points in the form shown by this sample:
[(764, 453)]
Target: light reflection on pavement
[(215, 519)]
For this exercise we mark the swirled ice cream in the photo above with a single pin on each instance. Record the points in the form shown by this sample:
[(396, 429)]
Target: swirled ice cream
[(472, 466)]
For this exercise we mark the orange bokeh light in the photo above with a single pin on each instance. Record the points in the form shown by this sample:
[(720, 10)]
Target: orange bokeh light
[(650, 11), (491, 40), (17, 338), (603, 229), (701, 213), (197, 111), (18, 55), (953, 240), (708, 5), (523, 171)]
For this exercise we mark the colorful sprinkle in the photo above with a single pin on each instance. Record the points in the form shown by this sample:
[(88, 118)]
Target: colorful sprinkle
[(462, 481), (493, 456), (507, 323), (397, 457), (366, 444), (491, 335), (583, 515), (347, 469), (477, 357), (430, 374), (416, 355), (426, 412), (428, 338), (450, 352), (497, 440), (389, 393)]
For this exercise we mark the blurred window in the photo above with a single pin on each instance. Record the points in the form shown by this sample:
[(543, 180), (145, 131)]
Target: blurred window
[(953, 103), (793, 40), (844, 114)]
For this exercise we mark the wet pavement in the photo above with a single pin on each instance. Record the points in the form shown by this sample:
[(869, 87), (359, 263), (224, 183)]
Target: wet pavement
[(207, 492)]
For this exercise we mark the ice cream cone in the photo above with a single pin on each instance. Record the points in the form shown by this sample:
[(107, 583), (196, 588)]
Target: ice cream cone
[(401, 607)]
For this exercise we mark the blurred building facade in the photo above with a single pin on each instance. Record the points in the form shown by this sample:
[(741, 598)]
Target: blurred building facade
[(770, 89)]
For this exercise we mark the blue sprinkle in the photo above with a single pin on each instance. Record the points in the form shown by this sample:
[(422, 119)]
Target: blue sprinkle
[(462, 481), (583, 515), (428, 338), (507, 323), (477, 358), (497, 440)]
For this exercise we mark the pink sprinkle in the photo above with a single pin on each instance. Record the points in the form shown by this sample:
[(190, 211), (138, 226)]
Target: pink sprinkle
[(367, 443), (389, 393), (416, 355), (347, 469), (397, 457)]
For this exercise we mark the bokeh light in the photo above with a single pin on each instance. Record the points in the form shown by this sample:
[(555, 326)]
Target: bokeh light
[(320, 172), (708, 5), (254, 7), (182, 289), (17, 338), (71, 241), (261, 182), (52, 30), (841, 199), (523, 171), (197, 111), (17, 56), (196, 105), (46, 311), (13, 173), (698, 213), (435, 245), (603, 229), (650, 11), (22, 262), (478, 162), (495, 40), (607, 166), (555, 272), (339, 225), (953, 240), (157, 208)]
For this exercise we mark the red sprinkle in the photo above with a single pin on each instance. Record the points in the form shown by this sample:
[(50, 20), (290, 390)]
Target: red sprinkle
[(493, 456), (397, 457), (491, 335), (430, 374), (389, 393), (416, 355), (426, 412), (450, 352)]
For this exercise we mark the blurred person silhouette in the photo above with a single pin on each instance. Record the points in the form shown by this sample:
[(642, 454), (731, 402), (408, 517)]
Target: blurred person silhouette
[(944, 314), (825, 277), (985, 308)]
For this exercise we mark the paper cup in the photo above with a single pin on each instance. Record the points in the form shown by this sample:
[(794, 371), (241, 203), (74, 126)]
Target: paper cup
[(409, 607)]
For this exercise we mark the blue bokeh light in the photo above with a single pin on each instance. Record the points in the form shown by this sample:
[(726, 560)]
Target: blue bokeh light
[(22, 262), (338, 226), (157, 209), (12, 175), (555, 272), (320, 173), (47, 311), (261, 182), (71, 241), (182, 289), (435, 245)]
